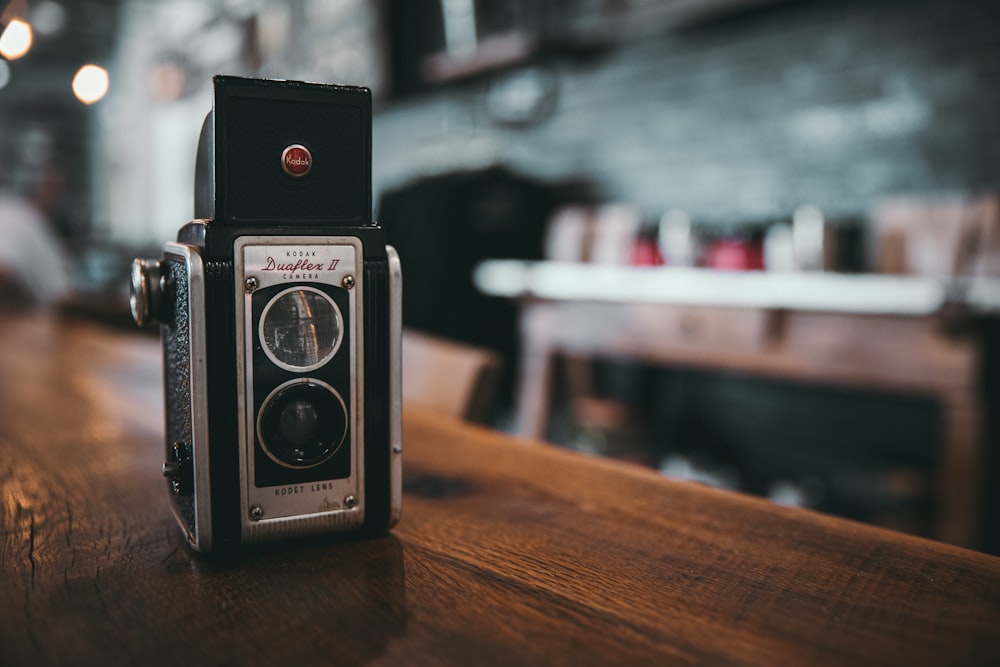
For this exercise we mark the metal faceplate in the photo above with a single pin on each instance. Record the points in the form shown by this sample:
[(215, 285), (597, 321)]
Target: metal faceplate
[(300, 504), (395, 386), (186, 389)]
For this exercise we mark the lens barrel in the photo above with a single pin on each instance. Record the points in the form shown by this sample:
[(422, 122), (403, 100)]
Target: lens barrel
[(302, 423)]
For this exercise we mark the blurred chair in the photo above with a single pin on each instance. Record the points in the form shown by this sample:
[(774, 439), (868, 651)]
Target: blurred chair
[(449, 377), (947, 237)]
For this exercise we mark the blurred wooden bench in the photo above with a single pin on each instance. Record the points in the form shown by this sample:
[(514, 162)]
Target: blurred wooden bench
[(449, 377)]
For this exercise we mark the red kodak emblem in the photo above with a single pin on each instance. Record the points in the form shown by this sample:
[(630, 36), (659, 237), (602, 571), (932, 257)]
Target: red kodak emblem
[(296, 160)]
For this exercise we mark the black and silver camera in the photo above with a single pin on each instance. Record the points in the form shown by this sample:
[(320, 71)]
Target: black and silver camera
[(280, 314)]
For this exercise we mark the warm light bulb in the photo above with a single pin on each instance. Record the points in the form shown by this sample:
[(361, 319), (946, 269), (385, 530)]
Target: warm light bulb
[(90, 83), (15, 40)]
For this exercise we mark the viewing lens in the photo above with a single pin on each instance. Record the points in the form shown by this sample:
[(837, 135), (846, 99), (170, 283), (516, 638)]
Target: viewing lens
[(302, 424), (301, 328)]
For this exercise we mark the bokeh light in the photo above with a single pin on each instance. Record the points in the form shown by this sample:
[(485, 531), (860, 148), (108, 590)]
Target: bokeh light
[(90, 83), (15, 40), (48, 18)]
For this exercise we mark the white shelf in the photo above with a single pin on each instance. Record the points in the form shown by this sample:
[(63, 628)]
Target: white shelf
[(831, 292)]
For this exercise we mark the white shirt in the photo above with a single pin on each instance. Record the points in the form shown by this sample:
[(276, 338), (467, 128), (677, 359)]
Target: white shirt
[(31, 252)]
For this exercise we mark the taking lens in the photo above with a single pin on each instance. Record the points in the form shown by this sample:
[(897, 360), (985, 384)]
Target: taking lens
[(302, 423), (301, 328)]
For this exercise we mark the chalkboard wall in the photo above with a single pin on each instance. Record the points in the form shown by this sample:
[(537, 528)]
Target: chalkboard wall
[(834, 103)]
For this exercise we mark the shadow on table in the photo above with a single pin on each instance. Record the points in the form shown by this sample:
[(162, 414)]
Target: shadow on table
[(329, 597)]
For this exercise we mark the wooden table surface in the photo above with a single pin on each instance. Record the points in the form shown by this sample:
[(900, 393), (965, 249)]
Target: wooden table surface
[(508, 553)]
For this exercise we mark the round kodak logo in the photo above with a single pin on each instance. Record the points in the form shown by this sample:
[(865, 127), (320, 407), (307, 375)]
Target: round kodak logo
[(296, 160)]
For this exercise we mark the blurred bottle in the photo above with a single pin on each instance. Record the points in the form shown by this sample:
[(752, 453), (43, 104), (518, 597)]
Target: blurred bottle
[(809, 243), (779, 254), (569, 235), (678, 242), (616, 227), (814, 242)]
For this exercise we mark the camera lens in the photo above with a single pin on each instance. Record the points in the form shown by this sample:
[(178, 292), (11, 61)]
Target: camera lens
[(299, 423), (301, 329), (302, 423)]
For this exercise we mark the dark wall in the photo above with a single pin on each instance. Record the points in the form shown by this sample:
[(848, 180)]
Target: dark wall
[(835, 103)]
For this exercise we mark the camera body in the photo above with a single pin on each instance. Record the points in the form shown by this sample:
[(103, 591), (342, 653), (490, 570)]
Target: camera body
[(280, 315)]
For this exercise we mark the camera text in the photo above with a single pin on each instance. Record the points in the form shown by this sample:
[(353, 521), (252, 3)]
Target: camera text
[(301, 488), (302, 268)]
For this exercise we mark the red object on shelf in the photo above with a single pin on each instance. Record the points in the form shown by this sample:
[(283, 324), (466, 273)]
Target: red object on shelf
[(735, 255), (646, 252)]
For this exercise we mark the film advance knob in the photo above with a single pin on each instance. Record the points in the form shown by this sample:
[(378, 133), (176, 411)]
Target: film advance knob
[(146, 291)]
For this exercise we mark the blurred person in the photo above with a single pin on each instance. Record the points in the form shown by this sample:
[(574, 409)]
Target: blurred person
[(34, 268)]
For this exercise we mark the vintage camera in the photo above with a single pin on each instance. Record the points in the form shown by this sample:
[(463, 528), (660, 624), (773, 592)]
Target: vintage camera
[(280, 312)]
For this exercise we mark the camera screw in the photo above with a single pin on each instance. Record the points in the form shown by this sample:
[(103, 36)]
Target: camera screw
[(347, 282), (251, 284), (350, 502), (256, 512)]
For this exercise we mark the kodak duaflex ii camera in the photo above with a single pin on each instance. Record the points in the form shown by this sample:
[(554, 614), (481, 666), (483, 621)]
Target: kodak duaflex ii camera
[(279, 309)]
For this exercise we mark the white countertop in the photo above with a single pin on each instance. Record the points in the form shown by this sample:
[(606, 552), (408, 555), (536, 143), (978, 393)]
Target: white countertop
[(816, 291)]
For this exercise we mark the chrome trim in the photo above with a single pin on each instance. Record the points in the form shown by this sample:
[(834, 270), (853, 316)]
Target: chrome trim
[(201, 539), (395, 386), (318, 506), (270, 353), (304, 525), (270, 397)]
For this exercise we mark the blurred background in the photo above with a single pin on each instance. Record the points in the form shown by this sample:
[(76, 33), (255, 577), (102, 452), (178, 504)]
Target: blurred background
[(745, 242)]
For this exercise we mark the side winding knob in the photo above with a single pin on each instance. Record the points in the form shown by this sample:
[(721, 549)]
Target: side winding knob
[(146, 291)]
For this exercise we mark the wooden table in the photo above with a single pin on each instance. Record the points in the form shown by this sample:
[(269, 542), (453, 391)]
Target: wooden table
[(886, 333), (507, 554)]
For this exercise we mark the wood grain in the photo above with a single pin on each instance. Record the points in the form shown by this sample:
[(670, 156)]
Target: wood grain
[(507, 554)]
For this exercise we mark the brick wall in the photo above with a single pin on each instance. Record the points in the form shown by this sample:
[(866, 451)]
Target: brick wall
[(835, 103)]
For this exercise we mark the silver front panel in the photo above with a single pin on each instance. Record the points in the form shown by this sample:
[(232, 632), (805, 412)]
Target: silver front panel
[(289, 510), (395, 386), (200, 534)]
